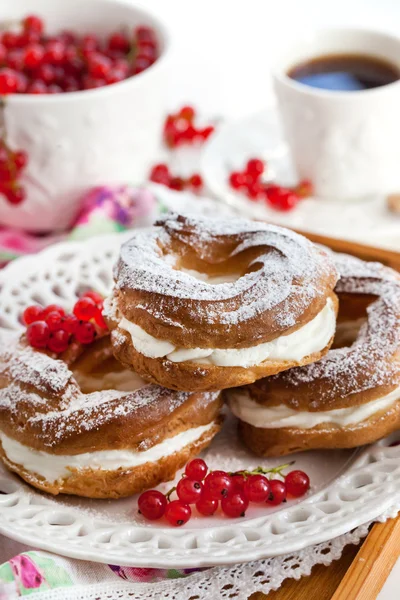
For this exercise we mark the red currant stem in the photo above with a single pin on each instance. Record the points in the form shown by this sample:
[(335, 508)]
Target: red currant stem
[(262, 471), (130, 57), (169, 493)]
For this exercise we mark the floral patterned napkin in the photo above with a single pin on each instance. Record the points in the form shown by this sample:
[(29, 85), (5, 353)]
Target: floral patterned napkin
[(105, 209), (36, 573)]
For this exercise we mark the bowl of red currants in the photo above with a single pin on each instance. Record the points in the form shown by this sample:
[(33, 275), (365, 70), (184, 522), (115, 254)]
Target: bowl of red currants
[(82, 89)]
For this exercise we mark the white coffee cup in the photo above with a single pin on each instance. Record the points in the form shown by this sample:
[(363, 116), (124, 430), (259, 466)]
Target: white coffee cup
[(346, 142)]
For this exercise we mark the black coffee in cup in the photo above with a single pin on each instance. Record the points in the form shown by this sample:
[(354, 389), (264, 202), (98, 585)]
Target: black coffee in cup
[(345, 72)]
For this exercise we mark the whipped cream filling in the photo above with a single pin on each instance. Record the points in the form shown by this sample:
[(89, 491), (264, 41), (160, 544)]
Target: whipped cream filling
[(274, 417), (58, 466), (312, 337)]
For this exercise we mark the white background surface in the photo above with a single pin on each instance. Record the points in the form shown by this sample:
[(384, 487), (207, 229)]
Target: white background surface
[(223, 50)]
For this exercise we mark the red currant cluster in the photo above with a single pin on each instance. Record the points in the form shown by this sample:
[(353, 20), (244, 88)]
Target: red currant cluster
[(53, 329), (34, 62), (179, 128), (250, 183), (232, 491), (11, 166), (160, 173)]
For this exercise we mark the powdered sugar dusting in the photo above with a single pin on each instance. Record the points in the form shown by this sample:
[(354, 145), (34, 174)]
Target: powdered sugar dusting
[(35, 368), (371, 361), (287, 262), (56, 418)]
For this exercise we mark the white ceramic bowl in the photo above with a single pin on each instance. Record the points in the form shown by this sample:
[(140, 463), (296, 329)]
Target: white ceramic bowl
[(80, 139)]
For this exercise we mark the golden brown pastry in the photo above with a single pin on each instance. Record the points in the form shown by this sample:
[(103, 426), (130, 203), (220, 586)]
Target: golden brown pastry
[(91, 427), (351, 396), (204, 304)]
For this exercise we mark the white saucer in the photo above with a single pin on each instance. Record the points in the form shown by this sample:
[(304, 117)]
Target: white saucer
[(260, 135)]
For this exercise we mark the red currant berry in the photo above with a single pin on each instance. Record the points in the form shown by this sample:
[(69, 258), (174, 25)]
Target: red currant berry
[(217, 484), (33, 313), (152, 504), (33, 56), (37, 87), (16, 195), (288, 201), (257, 488), (10, 39), (68, 37), (206, 506), (176, 183), (33, 23), (114, 76), (38, 334), (54, 52), (234, 505), (53, 88), (170, 132), (141, 64), (53, 308), (70, 324), (54, 320), (189, 490), (297, 483), (71, 84), (205, 132), (304, 189), (89, 43), (3, 54), (277, 492), (281, 198), (196, 469), (146, 52), (100, 321), (187, 135), (196, 181), (20, 159), (91, 83), (85, 309), (160, 174), (187, 113), (254, 191), (122, 65), (28, 37), (85, 332), (238, 481), (8, 81), (58, 341), (272, 193), (177, 513), (15, 59), (255, 167), (99, 65), (144, 34), (97, 298), (119, 41), (237, 180)]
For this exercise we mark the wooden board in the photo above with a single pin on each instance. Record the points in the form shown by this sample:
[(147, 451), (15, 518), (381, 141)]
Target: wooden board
[(361, 572), (358, 575)]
